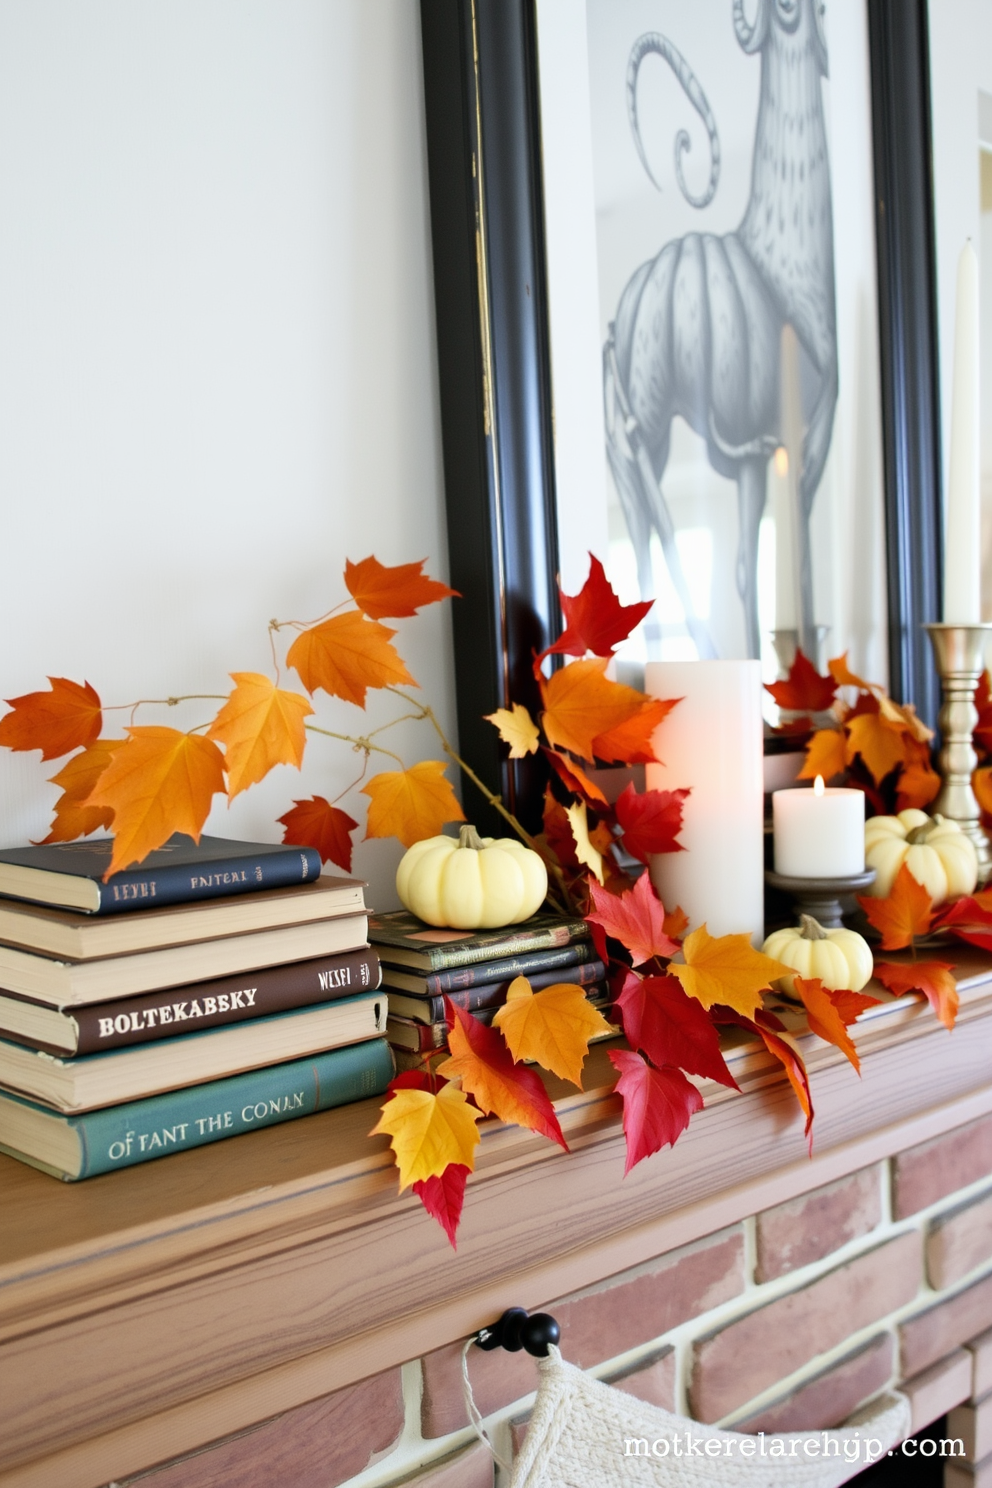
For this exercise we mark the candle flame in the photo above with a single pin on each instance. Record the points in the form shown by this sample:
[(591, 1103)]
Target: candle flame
[(818, 786), (781, 462)]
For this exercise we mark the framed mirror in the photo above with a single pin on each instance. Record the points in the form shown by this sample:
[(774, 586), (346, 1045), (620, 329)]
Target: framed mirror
[(723, 387)]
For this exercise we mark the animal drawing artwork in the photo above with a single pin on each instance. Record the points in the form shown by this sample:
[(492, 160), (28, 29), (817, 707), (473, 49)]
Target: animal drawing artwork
[(697, 329)]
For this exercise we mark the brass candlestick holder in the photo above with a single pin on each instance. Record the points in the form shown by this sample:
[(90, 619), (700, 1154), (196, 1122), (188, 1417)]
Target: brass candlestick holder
[(959, 651)]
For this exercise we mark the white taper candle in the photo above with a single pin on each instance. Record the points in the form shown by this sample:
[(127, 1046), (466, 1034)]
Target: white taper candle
[(962, 539)]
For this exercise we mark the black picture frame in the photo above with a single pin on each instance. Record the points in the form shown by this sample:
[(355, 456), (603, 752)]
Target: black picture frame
[(487, 227)]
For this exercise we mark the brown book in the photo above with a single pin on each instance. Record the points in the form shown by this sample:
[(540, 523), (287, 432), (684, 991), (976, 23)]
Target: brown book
[(188, 1009)]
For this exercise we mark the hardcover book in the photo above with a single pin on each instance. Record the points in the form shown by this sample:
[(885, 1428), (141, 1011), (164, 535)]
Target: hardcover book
[(200, 1005), (474, 999), (71, 983), (70, 874), (97, 1080), (403, 940), (82, 937), (483, 973), (73, 1147), (409, 1033)]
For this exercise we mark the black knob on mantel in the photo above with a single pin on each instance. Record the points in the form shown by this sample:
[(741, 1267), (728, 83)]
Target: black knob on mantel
[(518, 1330)]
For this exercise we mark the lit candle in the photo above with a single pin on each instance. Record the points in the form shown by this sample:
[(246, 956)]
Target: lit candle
[(962, 545), (819, 833), (712, 743)]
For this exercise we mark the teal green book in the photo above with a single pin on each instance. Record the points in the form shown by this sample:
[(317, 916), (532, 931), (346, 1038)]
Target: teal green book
[(73, 1147)]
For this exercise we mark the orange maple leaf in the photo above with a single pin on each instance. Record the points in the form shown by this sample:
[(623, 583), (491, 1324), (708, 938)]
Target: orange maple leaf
[(726, 969), (392, 593), (824, 1018), (159, 781), (411, 804), (581, 704), (78, 778), (918, 781), (318, 824), (573, 777), (804, 690), (552, 1027), (935, 979), (498, 1085), (982, 784), (882, 745), (826, 755), (906, 913), (632, 741), (844, 677), (676, 922), (850, 1005), (347, 655), (260, 726), (65, 718)]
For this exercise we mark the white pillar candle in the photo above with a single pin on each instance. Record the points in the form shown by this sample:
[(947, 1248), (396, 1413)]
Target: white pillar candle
[(819, 833), (962, 542), (712, 743)]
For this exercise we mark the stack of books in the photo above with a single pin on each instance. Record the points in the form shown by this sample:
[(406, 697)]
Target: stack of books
[(215, 990), (421, 966)]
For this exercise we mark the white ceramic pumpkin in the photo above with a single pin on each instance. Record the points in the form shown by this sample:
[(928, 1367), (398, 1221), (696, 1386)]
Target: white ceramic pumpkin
[(934, 849), (472, 882), (840, 958)]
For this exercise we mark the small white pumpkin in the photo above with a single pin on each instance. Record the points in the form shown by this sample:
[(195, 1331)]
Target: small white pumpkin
[(934, 849), (840, 958), (472, 883)]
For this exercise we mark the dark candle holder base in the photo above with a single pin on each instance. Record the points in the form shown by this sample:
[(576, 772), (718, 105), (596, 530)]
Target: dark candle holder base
[(822, 897)]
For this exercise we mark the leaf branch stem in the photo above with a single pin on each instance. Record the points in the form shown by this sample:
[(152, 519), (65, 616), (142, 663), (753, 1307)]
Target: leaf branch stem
[(363, 742)]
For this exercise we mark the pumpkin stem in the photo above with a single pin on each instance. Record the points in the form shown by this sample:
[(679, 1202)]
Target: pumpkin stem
[(811, 929), (920, 834), (469, 837)]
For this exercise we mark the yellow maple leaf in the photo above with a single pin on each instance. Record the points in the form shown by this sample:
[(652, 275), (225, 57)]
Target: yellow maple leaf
[(411, 804), (159, 781), (516, 728), (581, 703), (427, 1131), (584, 849), (552, 1026), (826, 755), (260, 726), (78, 779), (346, 655), (879, 744), (726, 969)]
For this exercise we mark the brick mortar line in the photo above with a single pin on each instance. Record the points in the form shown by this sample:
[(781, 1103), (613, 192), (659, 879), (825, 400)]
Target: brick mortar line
[(413, 1452)]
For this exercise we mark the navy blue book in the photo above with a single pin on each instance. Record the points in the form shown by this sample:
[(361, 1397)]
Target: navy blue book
[(72, 1147), (70, 874)]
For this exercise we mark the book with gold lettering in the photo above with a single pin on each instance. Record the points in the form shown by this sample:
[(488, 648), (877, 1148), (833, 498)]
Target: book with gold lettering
[(188, 1009), (97, 1080), (73, 1147)]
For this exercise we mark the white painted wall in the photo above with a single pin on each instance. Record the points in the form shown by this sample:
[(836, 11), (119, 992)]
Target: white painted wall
[(217, 366)]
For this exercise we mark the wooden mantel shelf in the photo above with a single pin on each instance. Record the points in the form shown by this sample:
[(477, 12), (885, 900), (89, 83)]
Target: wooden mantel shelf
[(190, 1297)]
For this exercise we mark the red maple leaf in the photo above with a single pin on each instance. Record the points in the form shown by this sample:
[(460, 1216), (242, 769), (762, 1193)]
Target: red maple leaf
[(318, 824), (657, 1104), (635, 918), (804, 690), (670, 1027), (595, 620), (968, 918), (443, 1198), (489, 1073), (651, 821)]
